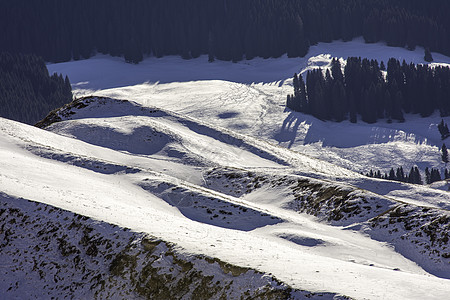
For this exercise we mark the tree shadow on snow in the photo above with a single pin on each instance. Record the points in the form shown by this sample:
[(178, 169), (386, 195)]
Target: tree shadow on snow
[(342, 135), (289, 129)]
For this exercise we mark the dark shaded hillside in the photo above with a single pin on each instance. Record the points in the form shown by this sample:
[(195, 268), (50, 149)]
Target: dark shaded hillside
[(27, 91), (224, 29)]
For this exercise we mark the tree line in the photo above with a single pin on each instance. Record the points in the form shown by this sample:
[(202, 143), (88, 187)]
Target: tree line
[(398, 175), (366, 89), (27, 91), (431, 176), (223, 29)]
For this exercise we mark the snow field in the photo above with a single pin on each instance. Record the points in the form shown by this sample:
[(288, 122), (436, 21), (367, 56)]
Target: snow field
[(144, 164)]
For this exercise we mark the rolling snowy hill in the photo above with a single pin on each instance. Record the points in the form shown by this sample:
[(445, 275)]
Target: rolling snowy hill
[(205, 160)]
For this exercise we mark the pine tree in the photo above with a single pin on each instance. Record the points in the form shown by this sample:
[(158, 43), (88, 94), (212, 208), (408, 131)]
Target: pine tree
[(417, 177), (443, 129), (428, 57), (336, 70), (444, 153), (427, 176), (435, 175), (400, 174), (296, 84), (392, 175), (289, 102), (302, 101)]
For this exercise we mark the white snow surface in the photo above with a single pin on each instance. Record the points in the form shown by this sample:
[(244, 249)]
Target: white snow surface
[(187, 116)]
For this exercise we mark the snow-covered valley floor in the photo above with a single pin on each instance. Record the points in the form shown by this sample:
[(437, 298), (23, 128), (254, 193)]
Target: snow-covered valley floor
[(205, 156)]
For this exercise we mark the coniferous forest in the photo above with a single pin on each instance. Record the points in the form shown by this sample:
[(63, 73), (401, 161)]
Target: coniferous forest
[(365, 89), (431, 176), (225, 29), (27, 92)]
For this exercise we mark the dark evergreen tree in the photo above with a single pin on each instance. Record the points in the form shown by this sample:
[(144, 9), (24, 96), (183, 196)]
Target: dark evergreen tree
[(416, 176), (296, 84), (400, 175), (302, 96), (336, 70), (289, 101), (435, 175), (428, 57), (444, 154), (392, 175), (338, 101), (443, 130), (427, 176)]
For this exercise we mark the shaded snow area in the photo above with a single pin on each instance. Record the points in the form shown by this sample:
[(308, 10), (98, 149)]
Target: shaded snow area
[(189, 180)]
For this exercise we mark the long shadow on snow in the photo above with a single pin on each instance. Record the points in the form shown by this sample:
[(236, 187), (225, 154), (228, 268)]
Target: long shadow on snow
[(340, 135), (289, 129), (210, 209)]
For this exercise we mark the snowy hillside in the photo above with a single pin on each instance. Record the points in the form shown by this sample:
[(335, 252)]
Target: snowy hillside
[(215, 178), (249, 97)]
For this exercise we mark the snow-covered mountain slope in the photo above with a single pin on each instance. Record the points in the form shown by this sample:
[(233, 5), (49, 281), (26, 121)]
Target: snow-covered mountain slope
[(196, 155), (249, 97), (178, 180)]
